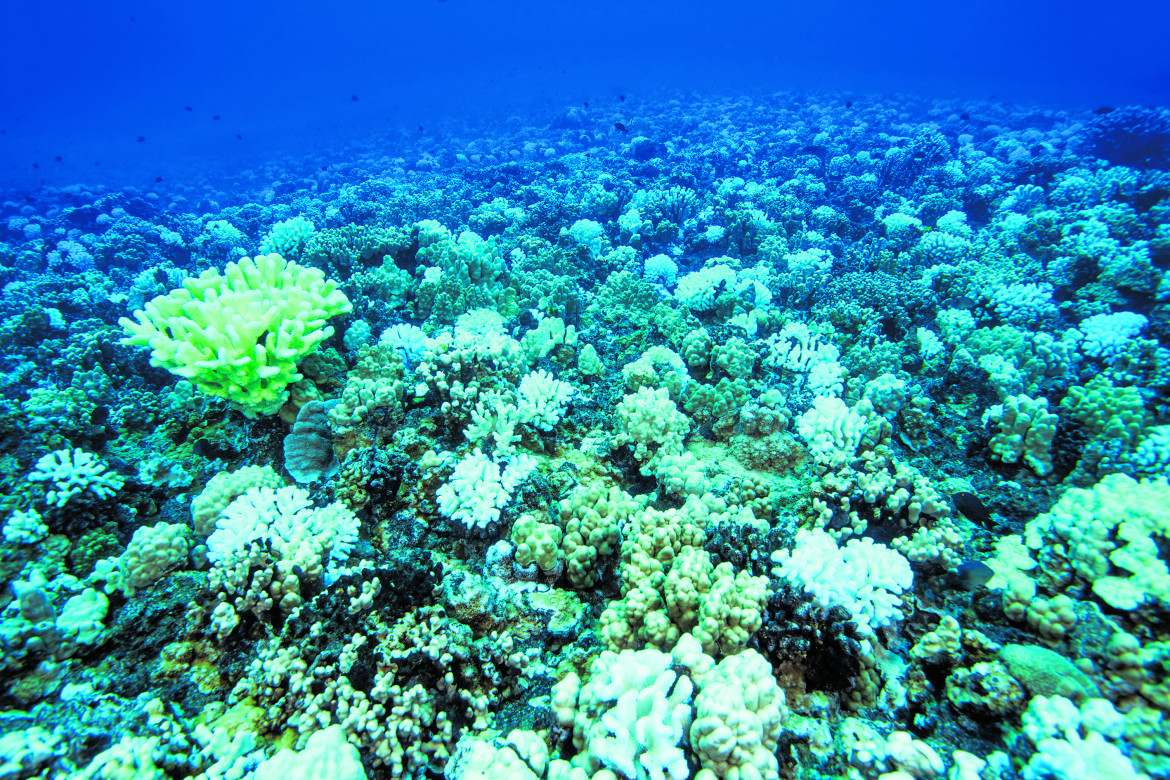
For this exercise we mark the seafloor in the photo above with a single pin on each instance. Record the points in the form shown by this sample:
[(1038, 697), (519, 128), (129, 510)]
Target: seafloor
[(783, 436)]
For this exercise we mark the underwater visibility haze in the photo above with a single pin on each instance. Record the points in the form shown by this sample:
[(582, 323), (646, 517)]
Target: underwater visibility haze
[(585, 391)]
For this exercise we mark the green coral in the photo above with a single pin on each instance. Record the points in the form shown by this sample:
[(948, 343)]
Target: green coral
[(1107, 412), (346, 246), (705, 403), (1111, 537), (625, 299), (459, 275), (239, 335), (1045, 672), (1018, 360), (735, 357), (537, 544)]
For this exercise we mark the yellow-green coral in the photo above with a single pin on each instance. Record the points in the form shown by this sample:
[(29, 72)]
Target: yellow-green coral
[(592, 516), (239, 335), (537, 544)]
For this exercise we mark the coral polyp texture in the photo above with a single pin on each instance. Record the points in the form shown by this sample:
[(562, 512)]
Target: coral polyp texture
[(777, 437)]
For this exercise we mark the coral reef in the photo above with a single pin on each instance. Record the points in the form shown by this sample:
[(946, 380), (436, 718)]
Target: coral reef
[(782, 436)]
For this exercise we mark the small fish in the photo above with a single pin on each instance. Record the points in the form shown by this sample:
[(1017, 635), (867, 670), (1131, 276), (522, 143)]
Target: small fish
[(239, 137), (100, 415), (420, 128), (157, 179), (965, 116), (36, 165), (586, 104), (622, 98), (1103, 110), (882, 533), (973, 575), (216, 117), (141, 138), (57, 158), (848, 104), (638, 126), (972, 508), (962, 302), (188, 108), (620, 127), (354, 98)]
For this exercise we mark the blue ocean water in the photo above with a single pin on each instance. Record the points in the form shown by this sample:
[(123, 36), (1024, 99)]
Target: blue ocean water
[(86, 81), (585, 391)]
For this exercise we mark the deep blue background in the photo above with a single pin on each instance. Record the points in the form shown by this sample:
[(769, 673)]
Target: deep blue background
[(84, 80)]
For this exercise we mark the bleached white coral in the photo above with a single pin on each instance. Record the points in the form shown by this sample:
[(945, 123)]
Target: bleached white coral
[(25, 527), (929, 345), (409, 340), (543, 399), (286, 520), (831, 429), (1107, 334), (660, 269), (479, 488), (634, 712), (479, 322), (1074, 743), (160, 472), (495, 416), (698, 290), (827, 379), (589, 234), (631, 221), (797, 348), (1024, 302), (326, 754), (28, 752), (753, 286), (810, 261), (863, 576), (74, 473)]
